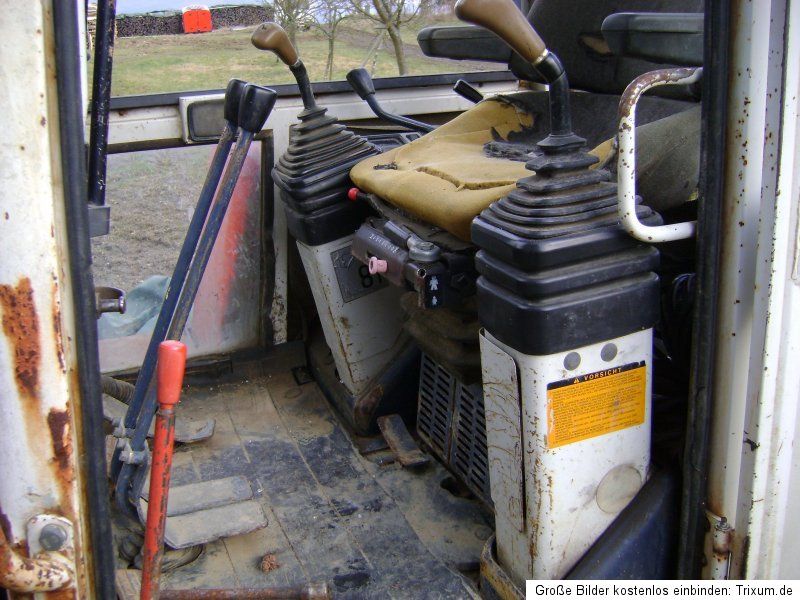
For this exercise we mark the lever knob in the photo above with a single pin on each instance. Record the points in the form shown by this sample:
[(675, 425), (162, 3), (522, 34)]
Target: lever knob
[(272, 37), (504, 19), (361, 82), (170, 368), (233, 97), (256, 105), (465, 90)]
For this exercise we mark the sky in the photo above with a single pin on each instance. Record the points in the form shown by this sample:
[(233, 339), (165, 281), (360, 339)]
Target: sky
[(143, 6)]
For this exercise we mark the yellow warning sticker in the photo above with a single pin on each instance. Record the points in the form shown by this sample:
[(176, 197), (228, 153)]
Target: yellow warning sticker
[(594, 404)]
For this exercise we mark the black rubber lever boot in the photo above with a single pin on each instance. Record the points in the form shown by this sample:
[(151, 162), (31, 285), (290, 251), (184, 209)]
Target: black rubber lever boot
[(233, 97), (361, 83), (255, 106)]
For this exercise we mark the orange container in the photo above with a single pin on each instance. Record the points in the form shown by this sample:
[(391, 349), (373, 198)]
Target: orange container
[(196, 19)]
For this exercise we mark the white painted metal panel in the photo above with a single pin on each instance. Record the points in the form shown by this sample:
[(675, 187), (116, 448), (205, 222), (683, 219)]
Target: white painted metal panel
[(754, 465), (502, 406), (363, 333), (38, 387), (569, 488)]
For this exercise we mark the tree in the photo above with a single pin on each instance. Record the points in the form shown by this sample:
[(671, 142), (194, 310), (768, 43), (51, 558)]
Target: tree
[(292, 15), (392, 14), (327, 18)]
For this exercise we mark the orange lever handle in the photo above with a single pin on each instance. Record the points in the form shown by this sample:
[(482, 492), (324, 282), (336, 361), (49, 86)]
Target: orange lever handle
[(170, 370)]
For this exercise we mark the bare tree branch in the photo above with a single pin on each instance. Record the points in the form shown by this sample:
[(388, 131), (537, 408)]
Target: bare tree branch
[(393, 15), (327, 18), (293, 15)]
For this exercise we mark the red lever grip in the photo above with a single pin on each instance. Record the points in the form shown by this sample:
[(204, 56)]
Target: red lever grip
[(170, 369)]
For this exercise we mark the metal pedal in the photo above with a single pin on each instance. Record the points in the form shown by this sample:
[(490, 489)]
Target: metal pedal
[(400, 441), (203, 512), (187, 431)]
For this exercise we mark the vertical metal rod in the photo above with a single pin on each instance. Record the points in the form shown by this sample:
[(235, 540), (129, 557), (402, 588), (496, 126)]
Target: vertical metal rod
[(171, 366), (101, 96), (298, 69)]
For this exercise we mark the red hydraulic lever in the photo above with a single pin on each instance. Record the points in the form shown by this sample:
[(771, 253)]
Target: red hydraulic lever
[(169, 372)]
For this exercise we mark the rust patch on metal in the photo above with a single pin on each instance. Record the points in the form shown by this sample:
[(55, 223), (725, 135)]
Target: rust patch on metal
[(62, 464), (67, 594), (21, 327), (45, 573), (5, 525), (57, 327), (495, 577), (636, 87), (59, 422), (365, 407)]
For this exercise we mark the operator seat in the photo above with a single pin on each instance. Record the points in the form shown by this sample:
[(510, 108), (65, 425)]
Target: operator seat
[(441, 181)]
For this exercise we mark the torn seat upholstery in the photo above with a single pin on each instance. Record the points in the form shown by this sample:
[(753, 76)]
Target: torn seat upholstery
[(448, 176)]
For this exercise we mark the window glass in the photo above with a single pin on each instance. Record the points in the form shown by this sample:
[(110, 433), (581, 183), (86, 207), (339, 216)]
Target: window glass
[(153, 53), (152, 195)]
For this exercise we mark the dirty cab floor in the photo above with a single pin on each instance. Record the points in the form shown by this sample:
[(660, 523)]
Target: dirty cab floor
[(363, 524)]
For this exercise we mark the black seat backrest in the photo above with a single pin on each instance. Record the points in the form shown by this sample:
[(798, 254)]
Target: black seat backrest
[(572, 29)]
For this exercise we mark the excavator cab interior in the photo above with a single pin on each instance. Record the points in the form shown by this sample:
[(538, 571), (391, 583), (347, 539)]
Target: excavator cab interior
[(496, 311)]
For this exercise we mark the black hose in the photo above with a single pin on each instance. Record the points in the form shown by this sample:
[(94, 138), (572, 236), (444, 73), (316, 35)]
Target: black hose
[(121, 390)]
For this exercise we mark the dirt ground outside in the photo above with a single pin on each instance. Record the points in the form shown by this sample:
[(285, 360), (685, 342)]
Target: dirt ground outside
[(152, 196)]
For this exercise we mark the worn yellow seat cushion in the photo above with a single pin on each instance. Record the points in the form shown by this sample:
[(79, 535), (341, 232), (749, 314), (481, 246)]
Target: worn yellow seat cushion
[(444, 178)]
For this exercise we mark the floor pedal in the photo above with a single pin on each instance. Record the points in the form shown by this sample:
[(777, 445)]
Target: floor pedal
[(187, 431), (400, 441), (193, 497), (199, 513)]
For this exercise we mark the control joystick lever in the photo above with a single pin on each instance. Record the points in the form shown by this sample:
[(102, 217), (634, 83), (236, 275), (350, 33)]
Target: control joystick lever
[(466, 91), (313, 173), (361, 82), (272, 37), (504, 19)]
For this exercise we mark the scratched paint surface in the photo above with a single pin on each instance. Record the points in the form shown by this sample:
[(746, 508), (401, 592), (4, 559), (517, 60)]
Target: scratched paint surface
[(37, 441)]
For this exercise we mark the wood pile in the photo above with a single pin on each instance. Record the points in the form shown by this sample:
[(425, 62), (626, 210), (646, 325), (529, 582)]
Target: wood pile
[(237, 16), (170, 23), (160, 23)]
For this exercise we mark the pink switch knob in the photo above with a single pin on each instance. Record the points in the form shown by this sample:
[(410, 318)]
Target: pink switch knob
[(376, 265)]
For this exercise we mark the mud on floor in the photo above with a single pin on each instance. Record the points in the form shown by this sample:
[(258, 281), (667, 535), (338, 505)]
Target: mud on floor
[(370, 531)]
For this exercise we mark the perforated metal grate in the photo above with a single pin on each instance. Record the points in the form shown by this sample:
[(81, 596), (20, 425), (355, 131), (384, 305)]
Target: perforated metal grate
[(452, 422)]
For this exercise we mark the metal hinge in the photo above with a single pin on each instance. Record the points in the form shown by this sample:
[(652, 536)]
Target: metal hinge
[(721, 539), (51, 545)]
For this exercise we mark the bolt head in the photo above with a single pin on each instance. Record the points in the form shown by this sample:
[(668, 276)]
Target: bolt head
[(53, 537)]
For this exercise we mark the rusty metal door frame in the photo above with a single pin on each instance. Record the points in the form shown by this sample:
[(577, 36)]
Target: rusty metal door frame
[(53, 492), (695, 469), (69, 63)]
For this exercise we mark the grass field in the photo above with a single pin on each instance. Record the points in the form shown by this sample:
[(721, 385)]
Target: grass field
[(169, 63), (149, 211)]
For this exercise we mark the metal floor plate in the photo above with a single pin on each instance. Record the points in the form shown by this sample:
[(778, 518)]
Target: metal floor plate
[(369, 529)]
